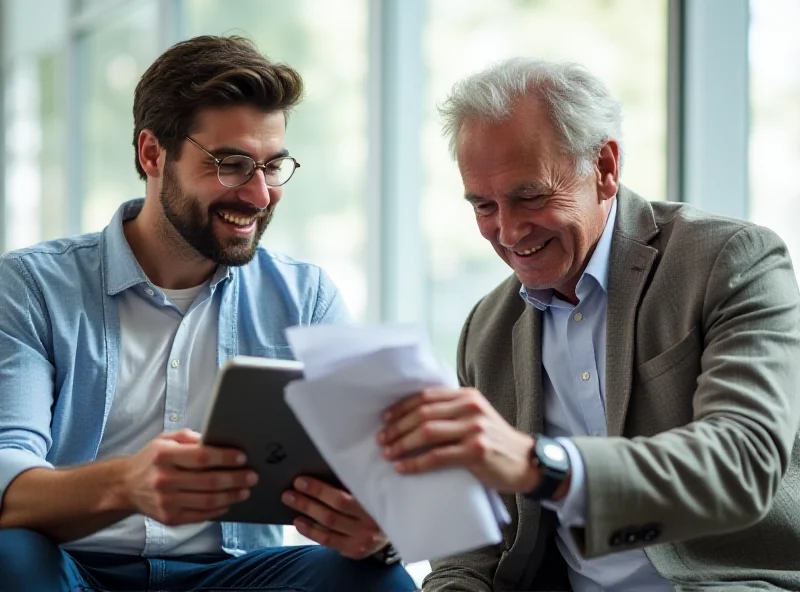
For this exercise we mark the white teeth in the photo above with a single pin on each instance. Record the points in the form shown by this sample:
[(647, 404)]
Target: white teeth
[(532, 251), (237, 220)]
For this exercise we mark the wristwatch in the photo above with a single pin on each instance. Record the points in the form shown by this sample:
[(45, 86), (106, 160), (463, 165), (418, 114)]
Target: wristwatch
[(388, 555), (553, 462)]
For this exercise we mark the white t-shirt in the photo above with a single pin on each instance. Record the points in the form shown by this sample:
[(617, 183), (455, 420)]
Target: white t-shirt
[(168, 362)]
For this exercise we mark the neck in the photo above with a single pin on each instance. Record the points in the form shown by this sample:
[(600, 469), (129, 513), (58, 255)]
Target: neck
[(165, 257)]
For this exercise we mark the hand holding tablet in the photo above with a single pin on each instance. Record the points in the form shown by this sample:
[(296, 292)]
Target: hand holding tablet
[(248, 412)]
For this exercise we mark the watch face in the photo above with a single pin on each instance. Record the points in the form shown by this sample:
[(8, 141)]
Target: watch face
[(556, 456)]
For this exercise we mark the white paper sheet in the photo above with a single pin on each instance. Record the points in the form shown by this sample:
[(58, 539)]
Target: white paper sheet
[(352, 375)]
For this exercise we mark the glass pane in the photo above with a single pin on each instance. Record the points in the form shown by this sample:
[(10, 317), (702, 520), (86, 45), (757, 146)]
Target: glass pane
[(621, 41), (114, 57), (322, 215), (35, 162), (775, 119)]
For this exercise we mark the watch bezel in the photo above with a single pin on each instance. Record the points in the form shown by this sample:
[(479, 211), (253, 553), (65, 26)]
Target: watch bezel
[(552, 472)]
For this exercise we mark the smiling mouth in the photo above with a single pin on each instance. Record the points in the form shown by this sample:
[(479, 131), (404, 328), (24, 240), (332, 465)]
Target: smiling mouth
[(533, 251), (237, 219)]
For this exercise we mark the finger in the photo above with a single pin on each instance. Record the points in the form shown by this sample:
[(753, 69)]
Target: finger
[(184, 436), (454, 455), (189, 517), (211, 480), (431, 434), (204, 457), (320, 534), (450, 409), (209, 501), (333, 497), (351, 547), (322, 514), (430, 395)]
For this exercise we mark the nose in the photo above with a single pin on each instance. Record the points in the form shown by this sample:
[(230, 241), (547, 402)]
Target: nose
[(512, 227), (256, 191)]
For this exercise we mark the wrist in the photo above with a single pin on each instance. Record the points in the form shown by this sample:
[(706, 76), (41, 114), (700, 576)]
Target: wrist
[(531, 476), (116, 495), (550, 461), (563, 489)]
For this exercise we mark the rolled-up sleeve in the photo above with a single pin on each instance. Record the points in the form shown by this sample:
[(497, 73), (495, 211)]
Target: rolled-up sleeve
[(26, 374)]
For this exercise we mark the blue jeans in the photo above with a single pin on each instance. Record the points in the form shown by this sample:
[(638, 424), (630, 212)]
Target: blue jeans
[(31, 562)]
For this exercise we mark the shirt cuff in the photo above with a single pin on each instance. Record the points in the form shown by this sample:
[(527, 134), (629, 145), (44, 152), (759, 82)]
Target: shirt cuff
[(571, 509)]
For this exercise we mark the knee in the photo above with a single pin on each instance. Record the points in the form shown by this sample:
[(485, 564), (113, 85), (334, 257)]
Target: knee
[(367, 575), (27, 556)]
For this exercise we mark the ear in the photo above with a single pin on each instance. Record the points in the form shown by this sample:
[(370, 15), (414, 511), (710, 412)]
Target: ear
[(150, 153), (607, 170)]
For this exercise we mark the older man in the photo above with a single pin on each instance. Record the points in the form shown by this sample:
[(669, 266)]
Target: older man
[(634, 387)]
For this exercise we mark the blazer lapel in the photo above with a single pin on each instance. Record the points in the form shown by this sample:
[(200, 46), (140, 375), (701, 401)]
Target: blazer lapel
[(629, 267), (527, 358), (527, 348)]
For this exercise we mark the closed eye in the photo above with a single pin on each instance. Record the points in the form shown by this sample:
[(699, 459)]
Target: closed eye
[(483, 208)]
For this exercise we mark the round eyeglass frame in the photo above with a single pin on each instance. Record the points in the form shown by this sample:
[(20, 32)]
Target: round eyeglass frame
[(256, 166)]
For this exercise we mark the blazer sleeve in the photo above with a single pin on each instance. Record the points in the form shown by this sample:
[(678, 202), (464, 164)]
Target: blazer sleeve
[(720, 472), (472, 571)]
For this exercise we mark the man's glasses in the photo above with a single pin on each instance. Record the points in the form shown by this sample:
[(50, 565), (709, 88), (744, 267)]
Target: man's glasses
[(238, 169)]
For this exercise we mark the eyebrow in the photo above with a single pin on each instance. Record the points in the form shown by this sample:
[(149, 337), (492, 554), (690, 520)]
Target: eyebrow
[(473, 198), (522, 189), (227, 150), (535, 188)]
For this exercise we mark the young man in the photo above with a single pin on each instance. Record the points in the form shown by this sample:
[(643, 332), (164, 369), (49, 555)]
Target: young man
[(633, 387), (109, 344)]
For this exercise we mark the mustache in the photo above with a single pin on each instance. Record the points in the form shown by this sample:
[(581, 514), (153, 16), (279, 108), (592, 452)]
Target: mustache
[(238, 207)]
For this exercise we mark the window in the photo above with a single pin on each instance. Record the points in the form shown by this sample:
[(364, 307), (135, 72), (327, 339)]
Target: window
[(621, 41), (322, 216), (34, 86), (775, 119), (113, 57)]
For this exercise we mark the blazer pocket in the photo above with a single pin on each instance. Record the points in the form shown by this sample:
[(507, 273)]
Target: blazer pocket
[(275, 352), (668, 359)]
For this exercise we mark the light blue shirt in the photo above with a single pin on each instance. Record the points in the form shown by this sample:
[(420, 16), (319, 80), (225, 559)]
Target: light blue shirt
[(60, 342), (574, 383)]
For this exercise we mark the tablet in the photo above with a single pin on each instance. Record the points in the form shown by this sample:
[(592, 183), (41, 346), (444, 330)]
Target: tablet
[(248, 412)]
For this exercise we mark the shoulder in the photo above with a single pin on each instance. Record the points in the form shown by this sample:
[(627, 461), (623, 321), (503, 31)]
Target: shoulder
[(695, 227), (281, 267), (700, 240), (60, 258), (496, 312), (275, 277)]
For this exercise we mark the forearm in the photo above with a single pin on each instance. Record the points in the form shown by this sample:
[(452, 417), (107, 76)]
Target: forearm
[(66, 504)]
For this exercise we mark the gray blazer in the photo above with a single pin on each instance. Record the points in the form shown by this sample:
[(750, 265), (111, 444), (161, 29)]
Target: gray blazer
[(702, 463)]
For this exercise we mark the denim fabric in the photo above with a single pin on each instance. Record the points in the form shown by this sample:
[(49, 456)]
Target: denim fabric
[(30, 562)]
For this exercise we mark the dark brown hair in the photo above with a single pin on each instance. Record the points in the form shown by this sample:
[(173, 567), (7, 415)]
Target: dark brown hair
[(204, 72)]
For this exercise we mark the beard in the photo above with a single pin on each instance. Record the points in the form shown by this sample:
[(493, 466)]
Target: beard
[(196, 226)]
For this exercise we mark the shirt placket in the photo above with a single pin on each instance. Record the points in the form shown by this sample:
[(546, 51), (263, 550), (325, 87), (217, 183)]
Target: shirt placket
[(584, 371)]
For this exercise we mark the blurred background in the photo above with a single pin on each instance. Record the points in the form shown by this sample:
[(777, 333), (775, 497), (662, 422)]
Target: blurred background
[(711, 94)]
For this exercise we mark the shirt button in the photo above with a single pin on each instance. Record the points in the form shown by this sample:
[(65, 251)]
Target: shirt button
[(584, 375), (150, 291), (578, 316), (175, 363), (174, 416)]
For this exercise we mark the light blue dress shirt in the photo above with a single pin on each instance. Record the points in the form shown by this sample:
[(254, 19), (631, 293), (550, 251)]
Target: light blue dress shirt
[(574, 383), (60, 342)]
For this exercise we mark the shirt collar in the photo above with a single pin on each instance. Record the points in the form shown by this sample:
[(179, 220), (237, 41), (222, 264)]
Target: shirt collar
[(597, 268), (123, 270)]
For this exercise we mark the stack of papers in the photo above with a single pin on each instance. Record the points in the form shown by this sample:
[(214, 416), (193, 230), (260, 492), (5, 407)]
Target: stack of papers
[(352, 374)]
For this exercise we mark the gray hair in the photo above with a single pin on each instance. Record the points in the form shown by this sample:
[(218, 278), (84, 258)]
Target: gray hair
[(582, 110)]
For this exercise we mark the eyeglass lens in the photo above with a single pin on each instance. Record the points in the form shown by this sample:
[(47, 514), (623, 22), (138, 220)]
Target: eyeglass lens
[(237, 169)]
